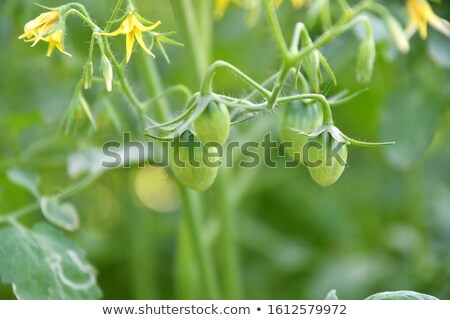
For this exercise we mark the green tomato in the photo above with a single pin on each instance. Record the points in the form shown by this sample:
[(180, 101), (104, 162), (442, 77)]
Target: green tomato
[(189, 165), (326, 159), (213, 125), (302, 117)]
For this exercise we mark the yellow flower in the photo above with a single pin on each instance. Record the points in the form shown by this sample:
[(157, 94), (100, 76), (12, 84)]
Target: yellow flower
[(298, 4), (421, 14), (132, 28), (55, 39), (220, 6), (36, 28)]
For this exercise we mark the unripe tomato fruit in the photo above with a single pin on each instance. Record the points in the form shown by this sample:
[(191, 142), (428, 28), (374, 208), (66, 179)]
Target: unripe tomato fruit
[(327, 159), (302, 117), (213, 125), (197, 176)]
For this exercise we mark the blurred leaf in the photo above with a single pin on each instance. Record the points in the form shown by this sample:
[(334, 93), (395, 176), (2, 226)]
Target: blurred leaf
[(26, 179), (332, 295), (401, 295), (63, 215), (439, 49), (88, 160), (42, 264), (410, 119), (22, 120)]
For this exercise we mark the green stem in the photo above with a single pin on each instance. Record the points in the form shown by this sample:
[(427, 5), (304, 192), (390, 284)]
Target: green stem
[(191, 206), (327, 115), (232, 283), (126, 88), (206, 27), (185, 13), (346, 23), (113, 16), (278, 86), (153, 82), (276, 28), (82, 16), (206, 87)]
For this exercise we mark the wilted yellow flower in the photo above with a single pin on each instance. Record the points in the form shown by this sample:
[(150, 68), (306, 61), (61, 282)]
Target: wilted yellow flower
[(36, 28), (421, 14), (133, 28), (55, 39)]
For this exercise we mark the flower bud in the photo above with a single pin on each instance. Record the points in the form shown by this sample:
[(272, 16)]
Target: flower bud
[(87, 75), (107, 72), (366, 60), (188, 164), (298, 117), (213, 125), (311, 65), (326, 158)]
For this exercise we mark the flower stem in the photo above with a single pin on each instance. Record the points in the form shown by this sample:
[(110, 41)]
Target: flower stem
[(126, 88)]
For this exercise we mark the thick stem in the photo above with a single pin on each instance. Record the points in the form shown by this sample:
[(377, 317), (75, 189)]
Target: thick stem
[(232, 283), (185, 14), (191, 207)]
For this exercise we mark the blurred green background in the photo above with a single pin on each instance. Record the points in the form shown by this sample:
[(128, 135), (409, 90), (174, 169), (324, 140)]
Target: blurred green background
[(385, 225)]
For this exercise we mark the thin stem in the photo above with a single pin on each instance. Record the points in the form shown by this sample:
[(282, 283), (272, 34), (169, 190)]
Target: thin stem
[(206, 87), (192, 211), (114, 15), (153, 82), (82, 16), (125, 86), (345, 23), (276, 28), (327, 115), (278, 86)]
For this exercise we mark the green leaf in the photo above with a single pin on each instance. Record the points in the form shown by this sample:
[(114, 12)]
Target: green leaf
[(42, 263), (401, 295), (24, 178), (332, 295), (63, 215)]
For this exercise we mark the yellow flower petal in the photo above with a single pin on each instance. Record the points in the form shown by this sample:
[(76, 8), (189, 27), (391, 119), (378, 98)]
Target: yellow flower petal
[(420, 15), (132, 28), (129, 45), (139, 39)]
